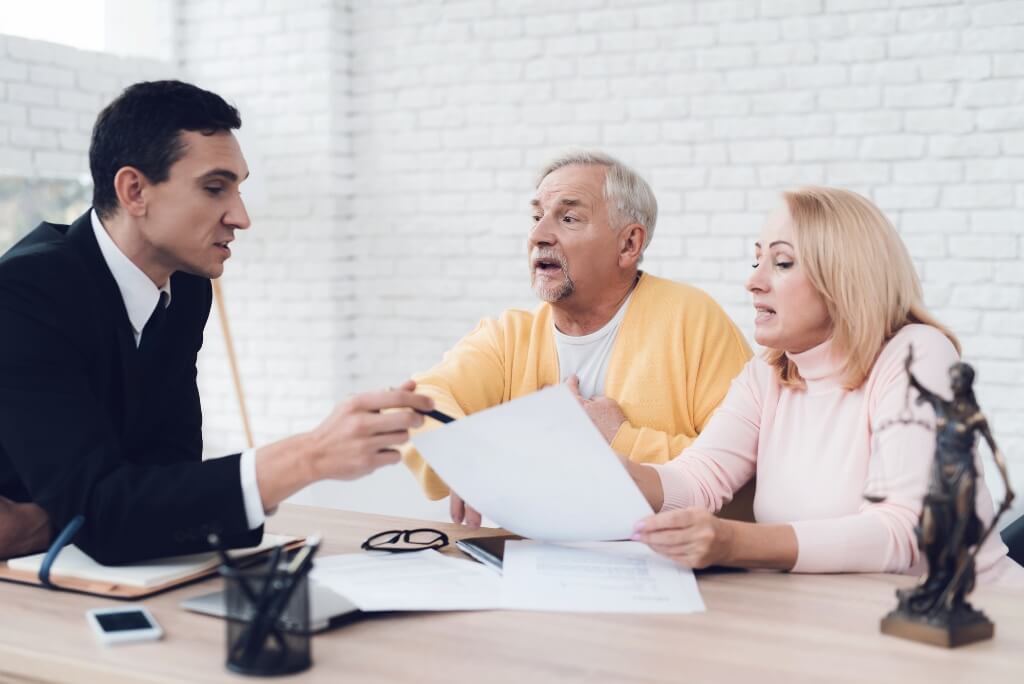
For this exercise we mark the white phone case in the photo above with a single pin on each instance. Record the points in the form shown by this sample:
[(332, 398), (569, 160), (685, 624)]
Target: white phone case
[(119, 636)]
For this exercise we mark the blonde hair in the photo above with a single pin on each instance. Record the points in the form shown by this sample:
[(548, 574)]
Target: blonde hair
[(857, 262)]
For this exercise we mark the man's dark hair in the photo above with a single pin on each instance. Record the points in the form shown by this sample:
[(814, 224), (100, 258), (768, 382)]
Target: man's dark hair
[(142, 128)]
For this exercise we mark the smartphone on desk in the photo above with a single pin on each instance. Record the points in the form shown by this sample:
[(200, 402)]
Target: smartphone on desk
[(487, 550), (121, 625)]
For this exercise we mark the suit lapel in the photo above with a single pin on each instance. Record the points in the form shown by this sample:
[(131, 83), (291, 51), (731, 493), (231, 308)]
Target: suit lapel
[(112, 315)]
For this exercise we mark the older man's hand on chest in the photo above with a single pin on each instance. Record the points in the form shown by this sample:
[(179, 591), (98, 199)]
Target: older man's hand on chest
[(604, 412)]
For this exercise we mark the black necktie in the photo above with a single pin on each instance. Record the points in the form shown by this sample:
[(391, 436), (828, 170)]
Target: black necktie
[(151, 331)]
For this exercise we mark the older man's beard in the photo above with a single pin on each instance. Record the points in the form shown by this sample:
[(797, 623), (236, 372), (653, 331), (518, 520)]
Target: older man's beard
[(551, 292)]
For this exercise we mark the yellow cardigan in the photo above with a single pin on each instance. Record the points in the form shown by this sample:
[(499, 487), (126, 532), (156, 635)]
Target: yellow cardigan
[(671, 365)]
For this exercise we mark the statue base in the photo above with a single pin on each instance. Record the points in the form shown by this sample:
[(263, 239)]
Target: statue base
[(949, 630)]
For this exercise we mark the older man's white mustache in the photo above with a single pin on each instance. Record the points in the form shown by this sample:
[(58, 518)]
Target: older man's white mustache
[(539, 256)]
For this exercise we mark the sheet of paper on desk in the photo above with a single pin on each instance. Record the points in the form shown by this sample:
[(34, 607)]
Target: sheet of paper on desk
[(425, 580), (538, 467), (596, 577)]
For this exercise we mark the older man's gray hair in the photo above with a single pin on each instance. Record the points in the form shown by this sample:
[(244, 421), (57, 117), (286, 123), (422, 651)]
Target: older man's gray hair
[(630, 199)]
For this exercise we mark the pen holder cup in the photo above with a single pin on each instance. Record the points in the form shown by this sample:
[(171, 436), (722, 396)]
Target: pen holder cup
[(267, 621)]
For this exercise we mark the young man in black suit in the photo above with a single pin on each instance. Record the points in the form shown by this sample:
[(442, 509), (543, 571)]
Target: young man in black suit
[(101, 323)]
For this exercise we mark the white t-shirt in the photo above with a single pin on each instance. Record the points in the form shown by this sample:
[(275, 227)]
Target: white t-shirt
[(586, 356)]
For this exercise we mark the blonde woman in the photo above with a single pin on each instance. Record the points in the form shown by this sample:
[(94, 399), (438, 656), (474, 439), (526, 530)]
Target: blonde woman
[(837, 305)]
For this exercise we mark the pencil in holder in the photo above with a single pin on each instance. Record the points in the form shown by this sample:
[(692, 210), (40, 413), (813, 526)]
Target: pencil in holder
[(268, 621)]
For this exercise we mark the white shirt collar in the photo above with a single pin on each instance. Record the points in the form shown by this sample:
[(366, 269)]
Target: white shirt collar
[(139, 293)]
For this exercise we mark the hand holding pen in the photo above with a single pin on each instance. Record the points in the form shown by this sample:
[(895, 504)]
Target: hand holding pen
[(436, 415), (364, 432)]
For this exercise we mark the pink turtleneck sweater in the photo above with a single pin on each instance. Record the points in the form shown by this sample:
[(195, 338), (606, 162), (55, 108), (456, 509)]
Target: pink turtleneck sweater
[(814, 451)]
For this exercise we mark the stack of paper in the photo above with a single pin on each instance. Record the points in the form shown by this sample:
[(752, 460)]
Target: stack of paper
[(425, 580), (538, 467), (596, 577), (605, 577)]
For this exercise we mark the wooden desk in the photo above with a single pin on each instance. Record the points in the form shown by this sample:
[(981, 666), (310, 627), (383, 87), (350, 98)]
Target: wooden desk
[(761, 627)]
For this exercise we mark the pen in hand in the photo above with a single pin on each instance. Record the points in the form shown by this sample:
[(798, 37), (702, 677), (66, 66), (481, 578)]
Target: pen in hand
[(436, 415)]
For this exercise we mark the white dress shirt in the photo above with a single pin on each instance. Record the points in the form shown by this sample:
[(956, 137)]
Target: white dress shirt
[(140, 297)]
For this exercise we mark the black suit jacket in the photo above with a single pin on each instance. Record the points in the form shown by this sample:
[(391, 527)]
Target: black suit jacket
[(87, 426)]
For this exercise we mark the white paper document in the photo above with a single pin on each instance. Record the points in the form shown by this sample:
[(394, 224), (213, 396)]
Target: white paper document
[(538, 467), (601, 577), (425, 580)]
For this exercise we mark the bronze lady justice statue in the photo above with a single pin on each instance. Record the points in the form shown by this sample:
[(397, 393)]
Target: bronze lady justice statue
[(949, 530)]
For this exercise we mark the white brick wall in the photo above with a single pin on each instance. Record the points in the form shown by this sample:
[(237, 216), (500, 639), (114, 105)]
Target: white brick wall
[(393, 146), (281, 66), (292, 286), (49, 98), (920, 105)]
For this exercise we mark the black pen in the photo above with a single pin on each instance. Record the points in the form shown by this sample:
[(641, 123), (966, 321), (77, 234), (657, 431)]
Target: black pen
[(276, 582), (214, 541), (436, 415), (270, 611), (275, 558), (246, 639)]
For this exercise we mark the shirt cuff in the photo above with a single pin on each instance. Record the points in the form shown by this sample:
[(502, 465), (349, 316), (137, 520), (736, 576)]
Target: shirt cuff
[(254, 514)]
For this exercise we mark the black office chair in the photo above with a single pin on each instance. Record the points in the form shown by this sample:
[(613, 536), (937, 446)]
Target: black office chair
[(1013, 537)]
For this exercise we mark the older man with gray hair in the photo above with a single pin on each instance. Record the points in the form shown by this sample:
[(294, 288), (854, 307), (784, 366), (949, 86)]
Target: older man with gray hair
[(650, 359)]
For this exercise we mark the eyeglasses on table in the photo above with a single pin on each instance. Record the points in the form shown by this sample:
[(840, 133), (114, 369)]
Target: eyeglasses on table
[(406, 541)]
